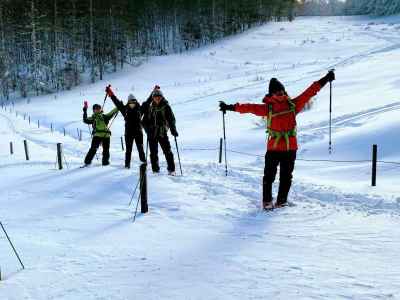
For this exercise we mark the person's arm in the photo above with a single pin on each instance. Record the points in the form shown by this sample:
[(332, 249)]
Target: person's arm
[(260, 110), (111, 114), (310, 92), (119, 104), (86, 120), (306, 96), (171, 121)]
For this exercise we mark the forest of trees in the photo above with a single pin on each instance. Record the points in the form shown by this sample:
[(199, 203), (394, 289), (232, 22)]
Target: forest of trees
[(373, 7), (52, 45), (320, 8)]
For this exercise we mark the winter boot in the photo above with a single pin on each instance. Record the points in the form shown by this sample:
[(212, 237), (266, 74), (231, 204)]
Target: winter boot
[(284, 188)]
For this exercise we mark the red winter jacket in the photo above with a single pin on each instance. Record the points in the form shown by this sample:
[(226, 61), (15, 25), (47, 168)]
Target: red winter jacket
[(284, 122)]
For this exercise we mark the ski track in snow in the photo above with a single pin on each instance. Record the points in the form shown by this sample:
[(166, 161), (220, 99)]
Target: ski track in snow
[(206, 236)]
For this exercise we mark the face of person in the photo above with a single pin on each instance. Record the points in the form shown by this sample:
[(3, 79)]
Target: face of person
[(97, 110), (279, 93), (131, 105), (157, 99)]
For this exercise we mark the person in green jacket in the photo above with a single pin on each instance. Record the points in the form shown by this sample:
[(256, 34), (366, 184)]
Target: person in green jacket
[(101, 132)]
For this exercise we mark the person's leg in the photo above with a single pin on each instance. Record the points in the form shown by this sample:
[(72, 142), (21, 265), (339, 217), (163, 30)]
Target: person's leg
[(96, 141), (169, 156), (287, 164), (270, 170), (128, 151), (106, 151), (139, 146), (153, 144)]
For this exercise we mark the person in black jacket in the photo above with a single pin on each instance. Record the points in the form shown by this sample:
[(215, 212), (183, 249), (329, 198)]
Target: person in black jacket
[(133, 125), (158, 119)]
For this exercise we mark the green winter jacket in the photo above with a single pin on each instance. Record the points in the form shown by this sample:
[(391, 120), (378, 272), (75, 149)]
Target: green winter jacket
[(99, 122)]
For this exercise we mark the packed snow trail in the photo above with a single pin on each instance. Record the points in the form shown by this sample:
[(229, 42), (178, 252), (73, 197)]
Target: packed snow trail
[(206, 236)]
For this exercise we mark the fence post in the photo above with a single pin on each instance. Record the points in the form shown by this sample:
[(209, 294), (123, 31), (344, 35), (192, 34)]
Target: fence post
[(220, 150), (80, 135), (59, 156), (11, 148), (122, 144), (26, 150), (38, 124), (51, 127), (29, 119), (374, 163), (143, 189), (64, 131)]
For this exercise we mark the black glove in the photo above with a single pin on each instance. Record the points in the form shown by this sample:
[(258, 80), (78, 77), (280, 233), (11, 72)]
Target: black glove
[(327, 78), (174, 132), (225, 107)]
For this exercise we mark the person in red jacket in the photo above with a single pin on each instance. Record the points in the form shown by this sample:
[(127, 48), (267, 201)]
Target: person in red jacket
[(279, 111)]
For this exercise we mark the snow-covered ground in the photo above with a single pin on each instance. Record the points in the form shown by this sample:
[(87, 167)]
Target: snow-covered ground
[(205, 236)]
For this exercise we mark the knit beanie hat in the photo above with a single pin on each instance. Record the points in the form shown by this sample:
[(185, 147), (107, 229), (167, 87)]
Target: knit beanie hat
[(157, 92), (131, 99), (275, 86)]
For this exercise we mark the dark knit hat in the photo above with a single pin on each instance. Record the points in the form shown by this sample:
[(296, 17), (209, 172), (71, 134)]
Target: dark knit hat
[(157, 92), (275, 86), (96, 106), (131, 99)]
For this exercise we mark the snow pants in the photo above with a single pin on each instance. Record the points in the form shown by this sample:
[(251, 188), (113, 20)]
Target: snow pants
[(96, 142), (286, 161), (166, 148), (136, 137)]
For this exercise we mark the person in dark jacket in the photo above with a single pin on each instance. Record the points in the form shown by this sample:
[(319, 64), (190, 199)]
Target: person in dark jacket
[(133, 125), (280, 111), (158, 119), (101, 133)]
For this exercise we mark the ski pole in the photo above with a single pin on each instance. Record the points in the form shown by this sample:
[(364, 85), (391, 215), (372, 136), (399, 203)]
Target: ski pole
[(179, 157), (12, 246), (330, 115), (134, 192), (105, 98), (224, 128)]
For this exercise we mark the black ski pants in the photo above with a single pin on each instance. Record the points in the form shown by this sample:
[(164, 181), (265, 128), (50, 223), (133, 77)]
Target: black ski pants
[(136, 137), (286, 161), (166, 148), (96, 142)]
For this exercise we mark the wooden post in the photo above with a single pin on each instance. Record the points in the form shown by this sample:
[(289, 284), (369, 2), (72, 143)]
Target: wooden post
[(374, 163), (38, 124), (220, 150), (143, 189), (26, 150), (122, 143), (51, 127), (11, 148), (29, 118), (64, 131), (80, 135), (59, 156)]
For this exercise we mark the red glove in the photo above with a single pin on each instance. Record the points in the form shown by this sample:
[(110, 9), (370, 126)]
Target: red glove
[(109, 91), (85, 106)]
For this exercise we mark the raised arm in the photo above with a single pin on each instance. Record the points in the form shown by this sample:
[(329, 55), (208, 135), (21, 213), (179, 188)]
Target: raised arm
[(310, 92), (86, 120), (255, 109)]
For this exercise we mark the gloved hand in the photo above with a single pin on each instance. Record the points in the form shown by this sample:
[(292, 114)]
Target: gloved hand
[(225, 107), (85, 106), (109, 91), (327, 78), (174, 132)]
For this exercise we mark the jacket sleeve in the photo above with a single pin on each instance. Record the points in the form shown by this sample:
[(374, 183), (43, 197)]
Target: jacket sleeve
[(87, 120), (111, 114), (170, 118), (119, 104), (255, 109), (306, 96)]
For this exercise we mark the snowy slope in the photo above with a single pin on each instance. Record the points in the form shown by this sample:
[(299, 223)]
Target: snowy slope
[(205, 236)]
